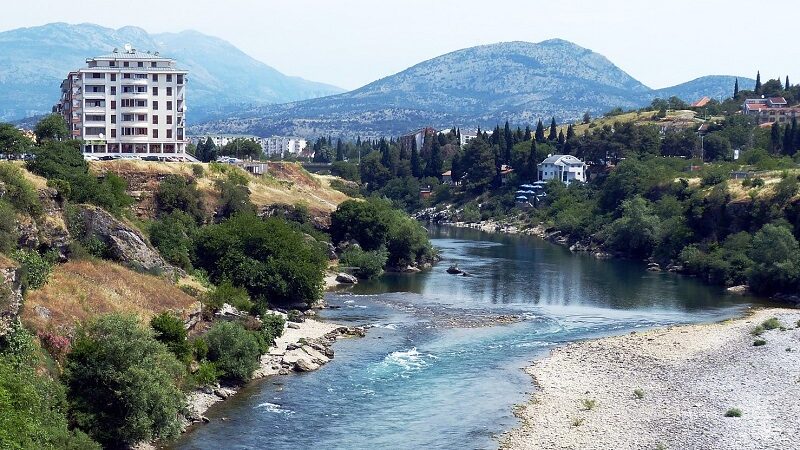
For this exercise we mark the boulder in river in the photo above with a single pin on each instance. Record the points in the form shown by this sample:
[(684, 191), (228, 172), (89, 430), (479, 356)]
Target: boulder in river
[(346, 278)]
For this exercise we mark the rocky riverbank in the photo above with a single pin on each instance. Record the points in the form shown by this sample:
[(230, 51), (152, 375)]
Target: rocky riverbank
[(303, 347), (670, 388)]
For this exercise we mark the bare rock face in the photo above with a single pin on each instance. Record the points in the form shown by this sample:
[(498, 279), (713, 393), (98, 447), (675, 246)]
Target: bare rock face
[(10, 294), (124, 243)]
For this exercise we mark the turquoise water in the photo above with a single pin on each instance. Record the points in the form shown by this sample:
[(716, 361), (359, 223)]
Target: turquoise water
[(421, 378)]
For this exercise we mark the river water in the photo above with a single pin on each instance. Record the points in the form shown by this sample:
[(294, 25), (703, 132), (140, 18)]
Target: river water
[(423, 377)]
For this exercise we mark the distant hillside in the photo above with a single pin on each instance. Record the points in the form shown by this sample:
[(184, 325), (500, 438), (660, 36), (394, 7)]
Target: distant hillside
[(222, 78), (469, 88), (713, 86)]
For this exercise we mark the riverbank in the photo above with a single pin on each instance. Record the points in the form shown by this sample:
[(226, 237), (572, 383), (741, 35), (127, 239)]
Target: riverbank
[(303, 347), (668, 388)]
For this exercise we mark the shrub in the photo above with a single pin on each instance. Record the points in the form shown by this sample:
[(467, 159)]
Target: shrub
[(206, 374), (349, 189), (234, 199), (588, 404), (771, 323), (366, 264), (176, 193), (199, 349), (578, 421), (638, 393), (273, 325), (35, 267), (759, 342), (123, 385), (18, 191), (733, 412), (8, 227), (170, 331), (173, 236), (294, 316), (233, 350), (228, 293), (198, 171)]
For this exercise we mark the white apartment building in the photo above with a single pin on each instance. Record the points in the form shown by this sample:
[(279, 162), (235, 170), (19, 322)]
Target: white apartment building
[(283, 145), (565, 168), (127, 102)]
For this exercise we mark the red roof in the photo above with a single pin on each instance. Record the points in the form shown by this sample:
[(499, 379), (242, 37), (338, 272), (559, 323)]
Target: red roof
[(777, 100), (700, 103)]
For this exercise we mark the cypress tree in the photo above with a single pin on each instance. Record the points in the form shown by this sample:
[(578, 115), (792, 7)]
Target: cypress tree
[(553, 131), (788, 141), (532, 167), (561, 138), (570, 132), (775, 138), (416, 167), (795, 135), (434, 166), (539, 135), (736, 88), (528, 136), (339, 150), (787, 86), (758, 83)]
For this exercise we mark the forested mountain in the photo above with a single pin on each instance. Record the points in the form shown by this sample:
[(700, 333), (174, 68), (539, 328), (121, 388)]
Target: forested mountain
[(33, 61), (477, 86)]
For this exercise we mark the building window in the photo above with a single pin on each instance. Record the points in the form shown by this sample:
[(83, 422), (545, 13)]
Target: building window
[(169, 120), (113, 90), (140, 64), (169, 134), (155, 77), (141, 89), (153, 64), (125, 64), (155, 133), (169, 77), (180, 78), (155, 90), (141, 131), (114, 104), (113, 132), (98, 75), (169, 91), (113, 77), (113, 118), (141, 103), (112, 64), (155, 119), (127, 117), (169, 105), (126, 75), (155, 105)]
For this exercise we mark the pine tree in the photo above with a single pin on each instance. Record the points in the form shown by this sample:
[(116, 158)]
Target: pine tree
[(508, 144), (775, 138), (539, 135), (553, 131), (788, 141), (795, 135), (528, 136), (416, 167), (787, 86), (434, 166), (570, 132), (736, 88), (758, 83), (339, 150), (561, 138)]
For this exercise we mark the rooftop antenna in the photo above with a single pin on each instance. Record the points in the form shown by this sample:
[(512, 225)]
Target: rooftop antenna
[(116, 50), (128, 48)]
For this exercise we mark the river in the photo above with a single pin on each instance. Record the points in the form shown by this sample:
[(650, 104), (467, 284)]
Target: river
[(422, 377)]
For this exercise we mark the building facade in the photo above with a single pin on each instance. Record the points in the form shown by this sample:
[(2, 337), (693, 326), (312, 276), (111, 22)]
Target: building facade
[(283, 145), (565, 168), (127, 102), (769, 110)]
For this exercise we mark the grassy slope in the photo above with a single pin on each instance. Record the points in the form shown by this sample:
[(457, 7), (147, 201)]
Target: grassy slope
[(640, 118), (80, 290)]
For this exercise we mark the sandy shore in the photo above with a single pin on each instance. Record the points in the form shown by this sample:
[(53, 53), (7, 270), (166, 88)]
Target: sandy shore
[(689, 376)]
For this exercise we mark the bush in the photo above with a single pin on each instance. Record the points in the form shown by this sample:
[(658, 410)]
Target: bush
[(233, 350), (638, 393), (759, 342), (170, 331), (234, 198), (176, 193), (771, 323), (273, 325), (199, 349), (18, 191), (733, 412), (589, 404), (35, 267), (776, 261), (366, 264), (123, 385), (198, 171), (173, 236), (8, 227), (206, 374), (349, 189), (227, 293), (269, 258)]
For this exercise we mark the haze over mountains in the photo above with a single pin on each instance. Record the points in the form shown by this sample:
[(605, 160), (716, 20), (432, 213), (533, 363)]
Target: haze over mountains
[(231, 92), (33, 61)]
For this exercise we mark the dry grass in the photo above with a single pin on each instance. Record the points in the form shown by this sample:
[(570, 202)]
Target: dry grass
[(642, 118), (6, 262), (80, 290)]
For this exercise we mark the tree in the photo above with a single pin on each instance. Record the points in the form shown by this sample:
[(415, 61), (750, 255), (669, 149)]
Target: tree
[(340, 156), (242, 148), (172, 235), (788, 141), (169, 330), (553, 131), (539, 134), (434, 166), (775, 141), (122, 384), (776, 261), (586, 118), (717, 147), (233, 350), (52, 127), (561, 139), (736, 88), (12, 142), (532, 167), (757, 88), (176, 193), (206, 150), (416, 165), (270, 258), (635, 231), (787, 85), (528, 135)]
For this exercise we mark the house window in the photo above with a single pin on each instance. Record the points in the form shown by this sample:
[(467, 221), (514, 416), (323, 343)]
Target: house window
[(113, 132), (113, 118), (113, 77), (140, 64), (126, 75), (113, 90), (169, 134), (169, 120), (169, 91), (112, 64), (169, 105), (127, 117), (126, 64), (141, 103), (155, 90), (169, 77), (153, 64), (155, 133), (114, 104), (98, 75), (155, 120)]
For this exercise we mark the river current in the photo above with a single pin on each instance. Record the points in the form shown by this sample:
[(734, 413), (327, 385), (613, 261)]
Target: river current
[(423, 378)]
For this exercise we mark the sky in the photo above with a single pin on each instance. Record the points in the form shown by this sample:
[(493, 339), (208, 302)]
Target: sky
[(349, 43)]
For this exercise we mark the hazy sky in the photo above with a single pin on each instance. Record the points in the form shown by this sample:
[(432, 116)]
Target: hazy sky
[(352, 42)]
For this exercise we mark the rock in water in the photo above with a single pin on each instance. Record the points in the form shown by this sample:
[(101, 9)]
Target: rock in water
[(305, 365), (346, 278)]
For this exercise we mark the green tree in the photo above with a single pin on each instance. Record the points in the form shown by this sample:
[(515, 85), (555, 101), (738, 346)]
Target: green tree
[(170, 331), (434, 166), (775, 142), (553, 131), (176, 193), (757, 88), (717, 147), (586, 118), (736, 88), (122, 384), (776, 261), (173, 235), (52, 127), (242, 148), (539, 134), (233, 350), (12, 142), (635, 232), (416, 164)]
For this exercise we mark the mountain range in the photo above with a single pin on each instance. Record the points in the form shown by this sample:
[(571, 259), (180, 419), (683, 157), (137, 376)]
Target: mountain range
[(473, 87), (230, 92), (223, 79)]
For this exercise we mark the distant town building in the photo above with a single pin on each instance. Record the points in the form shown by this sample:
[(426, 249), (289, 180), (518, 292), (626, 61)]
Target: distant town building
[(126, 102), (565, 168), (406, 142), (283, 145), (701, 103), (769, 110), (221, 140)]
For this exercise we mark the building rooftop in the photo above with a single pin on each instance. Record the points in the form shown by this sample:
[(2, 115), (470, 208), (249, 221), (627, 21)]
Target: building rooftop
[(132, 54), (561, 160)]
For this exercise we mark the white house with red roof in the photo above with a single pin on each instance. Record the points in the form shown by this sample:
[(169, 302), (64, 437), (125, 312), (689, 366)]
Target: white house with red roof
[(768, 110)]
